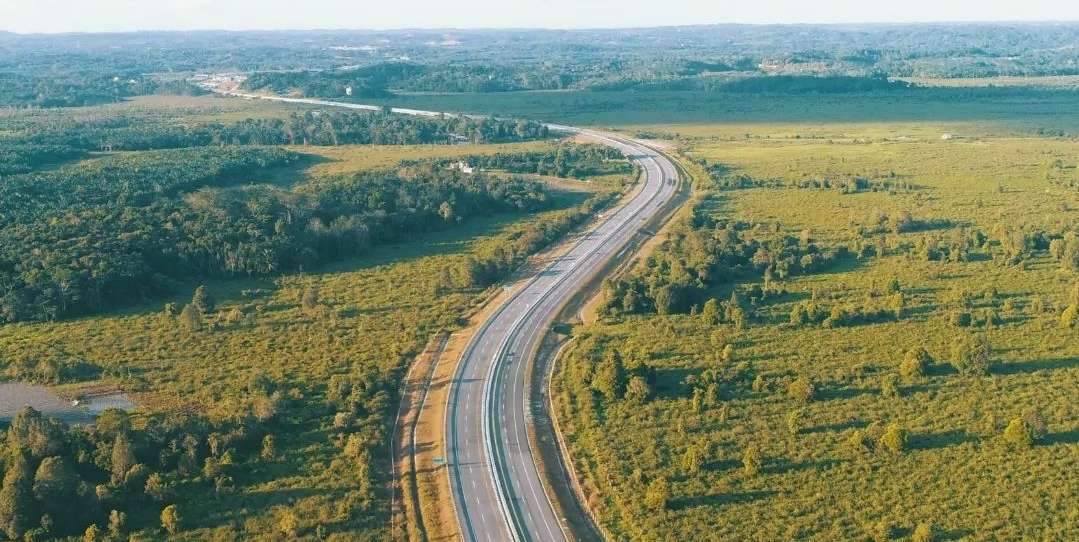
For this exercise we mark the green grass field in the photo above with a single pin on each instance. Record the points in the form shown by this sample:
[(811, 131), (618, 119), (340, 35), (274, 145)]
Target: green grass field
[(956, 472)]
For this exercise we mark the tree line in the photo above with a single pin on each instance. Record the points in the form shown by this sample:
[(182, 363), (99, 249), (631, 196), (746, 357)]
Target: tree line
[(702, 252), (51, 140)]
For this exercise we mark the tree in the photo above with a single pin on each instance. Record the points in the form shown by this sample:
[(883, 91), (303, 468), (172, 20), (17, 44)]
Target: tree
[(738, 318), (117, 523), (156, 488), (710, 312), (39, 435), (751, 460), (289, 524), (171, 519), (54, 481), (269, 448), (17, 510), (123, 458), (309, 299), (759, 383), (801, 389), (445, 210), (691, 460), (971, 355), (191, 318), (637, 390), (203, 300), (609, 378), (894, 438), (92, 534), (657, 494)]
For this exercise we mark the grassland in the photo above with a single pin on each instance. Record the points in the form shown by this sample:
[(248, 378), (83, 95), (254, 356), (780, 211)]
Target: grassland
[(955, 472)]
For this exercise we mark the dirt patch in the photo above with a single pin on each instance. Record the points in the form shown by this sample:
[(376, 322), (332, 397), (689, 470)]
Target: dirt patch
[(14, 396)]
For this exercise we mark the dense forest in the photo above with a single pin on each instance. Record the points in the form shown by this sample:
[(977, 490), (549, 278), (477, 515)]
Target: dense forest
[(64, 481), (121, 228)]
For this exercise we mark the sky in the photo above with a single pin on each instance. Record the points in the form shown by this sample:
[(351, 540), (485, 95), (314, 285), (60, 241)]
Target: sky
[(32, 16)]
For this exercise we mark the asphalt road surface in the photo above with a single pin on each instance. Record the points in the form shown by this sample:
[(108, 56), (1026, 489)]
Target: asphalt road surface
[(494, 479), (493, 473)]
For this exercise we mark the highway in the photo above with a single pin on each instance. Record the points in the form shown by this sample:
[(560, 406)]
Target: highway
[(494, 479)]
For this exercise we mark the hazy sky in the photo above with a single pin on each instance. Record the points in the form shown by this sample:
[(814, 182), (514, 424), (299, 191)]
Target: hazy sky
[(120, 15)]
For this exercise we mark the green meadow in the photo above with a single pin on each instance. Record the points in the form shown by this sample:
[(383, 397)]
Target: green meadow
[(788, 427)]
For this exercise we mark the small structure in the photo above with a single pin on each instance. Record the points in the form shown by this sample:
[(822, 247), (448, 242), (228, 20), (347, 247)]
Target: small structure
[(463, 167)]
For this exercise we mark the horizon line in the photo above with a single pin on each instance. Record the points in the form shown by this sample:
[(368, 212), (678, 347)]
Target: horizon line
[(972, 22)]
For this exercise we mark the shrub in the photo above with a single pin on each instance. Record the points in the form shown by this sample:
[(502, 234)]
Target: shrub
[(794, 421), (1018, 434), (692, 460), (751, 460), (728, 353), (191, 318), (860, 442), (1070, 317), (971, 355), (960, 319), (924, 532), (798, 316), (882, 531), (657, 494), (1008, 307), (915, 364), (637, 390), (889, 386), (289, 524), (1025, 431), (894, 438), (801, 389)]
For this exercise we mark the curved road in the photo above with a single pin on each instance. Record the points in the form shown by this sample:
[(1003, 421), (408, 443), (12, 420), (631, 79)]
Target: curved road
[(494, 478)]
